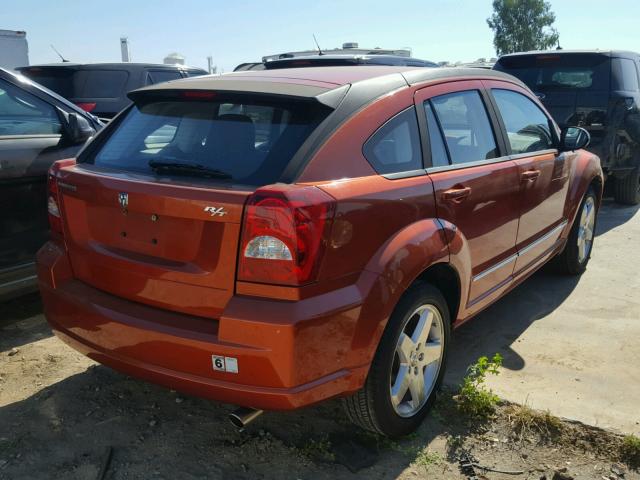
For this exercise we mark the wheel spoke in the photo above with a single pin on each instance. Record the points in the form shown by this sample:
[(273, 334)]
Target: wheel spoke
[(416, 387), (404, 348), (588, 232), (400, 386), (581, 248), (421, 333), (430, 373), (431, 352)]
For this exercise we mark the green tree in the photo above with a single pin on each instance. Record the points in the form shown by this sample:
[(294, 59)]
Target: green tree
[(521, 25)]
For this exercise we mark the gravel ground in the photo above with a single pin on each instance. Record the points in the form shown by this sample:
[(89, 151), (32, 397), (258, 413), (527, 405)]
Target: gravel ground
[(62, 416)]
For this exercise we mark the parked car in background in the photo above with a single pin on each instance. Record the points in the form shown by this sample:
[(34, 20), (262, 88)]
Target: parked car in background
[(280, 239), (336, 61), (101, 88), (37, 127), (597, 90)]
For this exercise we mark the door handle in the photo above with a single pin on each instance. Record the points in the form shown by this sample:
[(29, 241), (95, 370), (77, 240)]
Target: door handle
[(456, 194), (531, 175)]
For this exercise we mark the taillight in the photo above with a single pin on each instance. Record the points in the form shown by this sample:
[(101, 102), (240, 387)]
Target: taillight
[(87, 106), (284, 235), (53, 196)]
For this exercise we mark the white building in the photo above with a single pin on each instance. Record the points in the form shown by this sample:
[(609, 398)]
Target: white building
[(14, 50)]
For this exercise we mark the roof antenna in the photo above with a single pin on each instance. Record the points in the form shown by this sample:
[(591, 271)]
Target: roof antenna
[(317, 44), (59, 54)]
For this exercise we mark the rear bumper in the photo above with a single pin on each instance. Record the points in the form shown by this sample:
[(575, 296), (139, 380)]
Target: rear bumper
[(289, 354)]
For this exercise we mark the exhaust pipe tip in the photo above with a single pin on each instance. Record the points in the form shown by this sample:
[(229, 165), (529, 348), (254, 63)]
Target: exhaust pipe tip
[(243, 416)]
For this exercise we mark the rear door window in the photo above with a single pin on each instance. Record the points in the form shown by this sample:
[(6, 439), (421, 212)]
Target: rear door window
[(439, 157), (102, 83), (23, 114), (625, 74), (527, 126), (466, 126), (395, 147), (251, 140)]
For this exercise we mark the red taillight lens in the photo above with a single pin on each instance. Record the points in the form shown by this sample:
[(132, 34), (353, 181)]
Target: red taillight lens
[(53, 196), (87, 106), (284, 234), (53, 205)]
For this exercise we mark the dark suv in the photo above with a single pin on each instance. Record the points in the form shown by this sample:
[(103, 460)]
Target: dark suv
[(597, 90), (101, 88)]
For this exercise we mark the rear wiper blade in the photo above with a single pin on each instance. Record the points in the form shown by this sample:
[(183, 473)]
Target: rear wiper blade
[(187, 169)]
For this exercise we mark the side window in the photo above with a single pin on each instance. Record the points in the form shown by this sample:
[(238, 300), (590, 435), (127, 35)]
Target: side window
[(159, 76), (395, 147), (626, 75), (439, 157), (527, 126), (24, 114), (104, 84), (466, 126)]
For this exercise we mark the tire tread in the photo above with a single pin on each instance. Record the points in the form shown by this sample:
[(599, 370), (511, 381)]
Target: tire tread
[(626, 190)]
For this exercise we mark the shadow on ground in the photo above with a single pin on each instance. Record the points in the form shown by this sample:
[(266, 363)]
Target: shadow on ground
[(613, 215), (64, 431), (22, 322)]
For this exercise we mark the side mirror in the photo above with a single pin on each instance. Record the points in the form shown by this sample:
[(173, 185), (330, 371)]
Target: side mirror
[(76, 129), (574, 138)]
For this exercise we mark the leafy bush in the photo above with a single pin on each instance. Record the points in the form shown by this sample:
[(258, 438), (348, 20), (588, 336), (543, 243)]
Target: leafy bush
[(474, 400)]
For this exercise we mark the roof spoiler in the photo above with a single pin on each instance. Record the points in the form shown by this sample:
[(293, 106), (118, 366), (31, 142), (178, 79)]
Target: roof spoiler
[(224, 88)]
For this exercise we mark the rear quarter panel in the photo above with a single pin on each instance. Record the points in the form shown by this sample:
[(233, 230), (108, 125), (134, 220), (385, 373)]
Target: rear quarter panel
[(385, 232)]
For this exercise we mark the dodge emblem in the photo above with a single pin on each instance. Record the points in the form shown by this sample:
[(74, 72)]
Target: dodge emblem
[(123, 198)]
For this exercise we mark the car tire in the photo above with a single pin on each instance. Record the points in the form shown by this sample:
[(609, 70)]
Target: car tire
[(405, 353), (574, 258), (627, 189)]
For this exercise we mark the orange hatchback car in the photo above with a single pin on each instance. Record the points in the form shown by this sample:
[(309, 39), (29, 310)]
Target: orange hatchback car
[(275, 239)]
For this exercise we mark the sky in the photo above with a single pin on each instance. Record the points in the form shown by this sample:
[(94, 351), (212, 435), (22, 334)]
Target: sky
[(234, 32)]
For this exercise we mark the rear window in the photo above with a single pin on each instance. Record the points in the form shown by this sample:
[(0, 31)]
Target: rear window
[(249, 139), (58, 80), (76, 84), (583, 72)]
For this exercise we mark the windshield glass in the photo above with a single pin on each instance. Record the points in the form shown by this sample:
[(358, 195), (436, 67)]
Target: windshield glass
[(559, 72), (246, 140)]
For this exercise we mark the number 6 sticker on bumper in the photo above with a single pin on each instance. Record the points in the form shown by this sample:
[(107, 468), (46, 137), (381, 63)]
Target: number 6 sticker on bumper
[(224, 364)]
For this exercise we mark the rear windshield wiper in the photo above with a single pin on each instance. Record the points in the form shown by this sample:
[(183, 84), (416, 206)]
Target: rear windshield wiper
[(187, 169)]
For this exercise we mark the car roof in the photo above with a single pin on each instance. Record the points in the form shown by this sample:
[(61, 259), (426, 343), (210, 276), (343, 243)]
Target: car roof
[(608, 53), (119, 65), (312, 82)]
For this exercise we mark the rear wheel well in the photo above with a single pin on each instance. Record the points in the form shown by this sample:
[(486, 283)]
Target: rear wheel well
[(445, 278)]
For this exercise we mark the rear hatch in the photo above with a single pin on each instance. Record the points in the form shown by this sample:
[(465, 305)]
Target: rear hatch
[(153, 208), (574, 87)]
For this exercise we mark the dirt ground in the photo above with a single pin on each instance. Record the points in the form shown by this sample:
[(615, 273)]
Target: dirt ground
[(62, 416)]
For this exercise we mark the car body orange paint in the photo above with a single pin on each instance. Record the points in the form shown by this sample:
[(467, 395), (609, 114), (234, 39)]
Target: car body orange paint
[(159, 310)]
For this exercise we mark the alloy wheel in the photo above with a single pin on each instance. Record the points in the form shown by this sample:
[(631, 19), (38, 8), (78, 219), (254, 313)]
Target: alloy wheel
[(417, 360), (585, 230)]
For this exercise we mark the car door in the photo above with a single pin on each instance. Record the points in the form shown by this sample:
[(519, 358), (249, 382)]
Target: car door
[(476, 188), (531, 139), (30, 140)]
